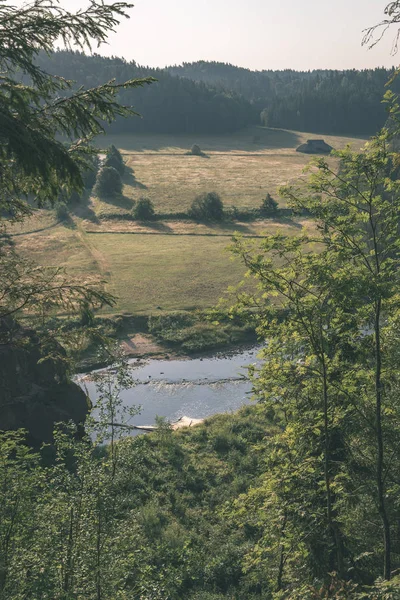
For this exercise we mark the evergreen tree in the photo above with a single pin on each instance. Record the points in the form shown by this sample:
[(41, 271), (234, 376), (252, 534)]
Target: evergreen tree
[(207, 207), (35, 115), (108, 184), (144, 210), (114, 159), (269, 206)]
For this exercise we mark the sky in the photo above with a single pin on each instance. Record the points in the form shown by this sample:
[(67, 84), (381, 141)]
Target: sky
[(257, 34)]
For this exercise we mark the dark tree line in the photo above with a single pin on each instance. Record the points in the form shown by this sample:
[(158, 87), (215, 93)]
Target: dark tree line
[(211, 97), (170, 105), (324, 101)]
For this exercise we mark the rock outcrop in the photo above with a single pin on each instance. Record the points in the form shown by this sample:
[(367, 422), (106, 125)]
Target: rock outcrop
[(35, 391), (315, 147)]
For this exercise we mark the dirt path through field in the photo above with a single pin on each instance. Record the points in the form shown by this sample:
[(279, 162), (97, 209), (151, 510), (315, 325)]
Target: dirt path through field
[(97, 256)]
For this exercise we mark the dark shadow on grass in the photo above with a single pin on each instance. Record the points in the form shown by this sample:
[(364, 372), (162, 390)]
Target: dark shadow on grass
[(288, 221), (252, 139), (119, 201), (69, 223), (130, 179), (158, 226), (83, 209), (138, 185), (202, 155), (230, 226)]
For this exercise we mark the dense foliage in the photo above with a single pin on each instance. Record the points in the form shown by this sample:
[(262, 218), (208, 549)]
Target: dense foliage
[(108, 183), (143, 210), (344, 102), (210, 97), (148, 520), (171, 105), (207, 207), (114, 159), (157, 517), (330, 379)]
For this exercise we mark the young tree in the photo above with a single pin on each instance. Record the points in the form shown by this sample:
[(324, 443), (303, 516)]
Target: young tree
[(108, 184), (144, 210), (269, 206), (90, 174), (114, 159), (207, 207), (327, 301)]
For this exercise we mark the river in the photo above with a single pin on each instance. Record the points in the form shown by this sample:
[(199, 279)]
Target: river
[(195, 388)]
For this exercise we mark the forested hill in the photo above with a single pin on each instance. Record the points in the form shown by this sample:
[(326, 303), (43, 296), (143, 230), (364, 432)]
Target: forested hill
[(212, 97), (324, 101), (171, 105)]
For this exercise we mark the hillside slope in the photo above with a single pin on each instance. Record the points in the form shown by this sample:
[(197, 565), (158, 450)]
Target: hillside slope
[(170, 105)]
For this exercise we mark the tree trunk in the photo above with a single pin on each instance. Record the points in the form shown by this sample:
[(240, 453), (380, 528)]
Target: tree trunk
[(379, 437), (332, 527), (281, 559)]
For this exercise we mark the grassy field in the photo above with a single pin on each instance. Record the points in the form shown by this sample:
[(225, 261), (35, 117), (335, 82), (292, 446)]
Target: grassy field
[(175, 271), (172, 265), (182, 267), (242, 167), (60, 246)]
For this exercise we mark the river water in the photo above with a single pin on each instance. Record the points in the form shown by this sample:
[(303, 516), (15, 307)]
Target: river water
[(195, 388)]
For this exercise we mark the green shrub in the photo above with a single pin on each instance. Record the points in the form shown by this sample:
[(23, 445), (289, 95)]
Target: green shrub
[(108, 184), (62, 212), (143, 210), (201, 337), (112, 161), (173, 321), (243, 214), (196, 150), (269, 206), (152, 520), (192, 333), (207, 207)]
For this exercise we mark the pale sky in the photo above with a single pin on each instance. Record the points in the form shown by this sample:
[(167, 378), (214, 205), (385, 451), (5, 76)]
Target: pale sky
[(257, 34)]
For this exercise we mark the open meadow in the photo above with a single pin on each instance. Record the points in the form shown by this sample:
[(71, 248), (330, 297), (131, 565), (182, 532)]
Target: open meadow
[(242, 167), (170, 264)]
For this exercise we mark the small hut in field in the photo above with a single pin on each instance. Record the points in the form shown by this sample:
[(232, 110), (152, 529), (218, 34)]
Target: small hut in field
[(315, 147)]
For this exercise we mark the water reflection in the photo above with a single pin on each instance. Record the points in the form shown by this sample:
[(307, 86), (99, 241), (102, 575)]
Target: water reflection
[(194, 388)]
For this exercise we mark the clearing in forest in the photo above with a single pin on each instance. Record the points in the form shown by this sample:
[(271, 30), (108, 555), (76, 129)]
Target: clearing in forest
[(242, 167), (172, 264)]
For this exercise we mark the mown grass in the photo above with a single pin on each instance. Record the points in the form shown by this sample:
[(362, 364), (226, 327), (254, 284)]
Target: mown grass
[(172, 265), (169, 272), (269, 139), (61, 246), (242, 167), (172, 272), (39, 221)]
